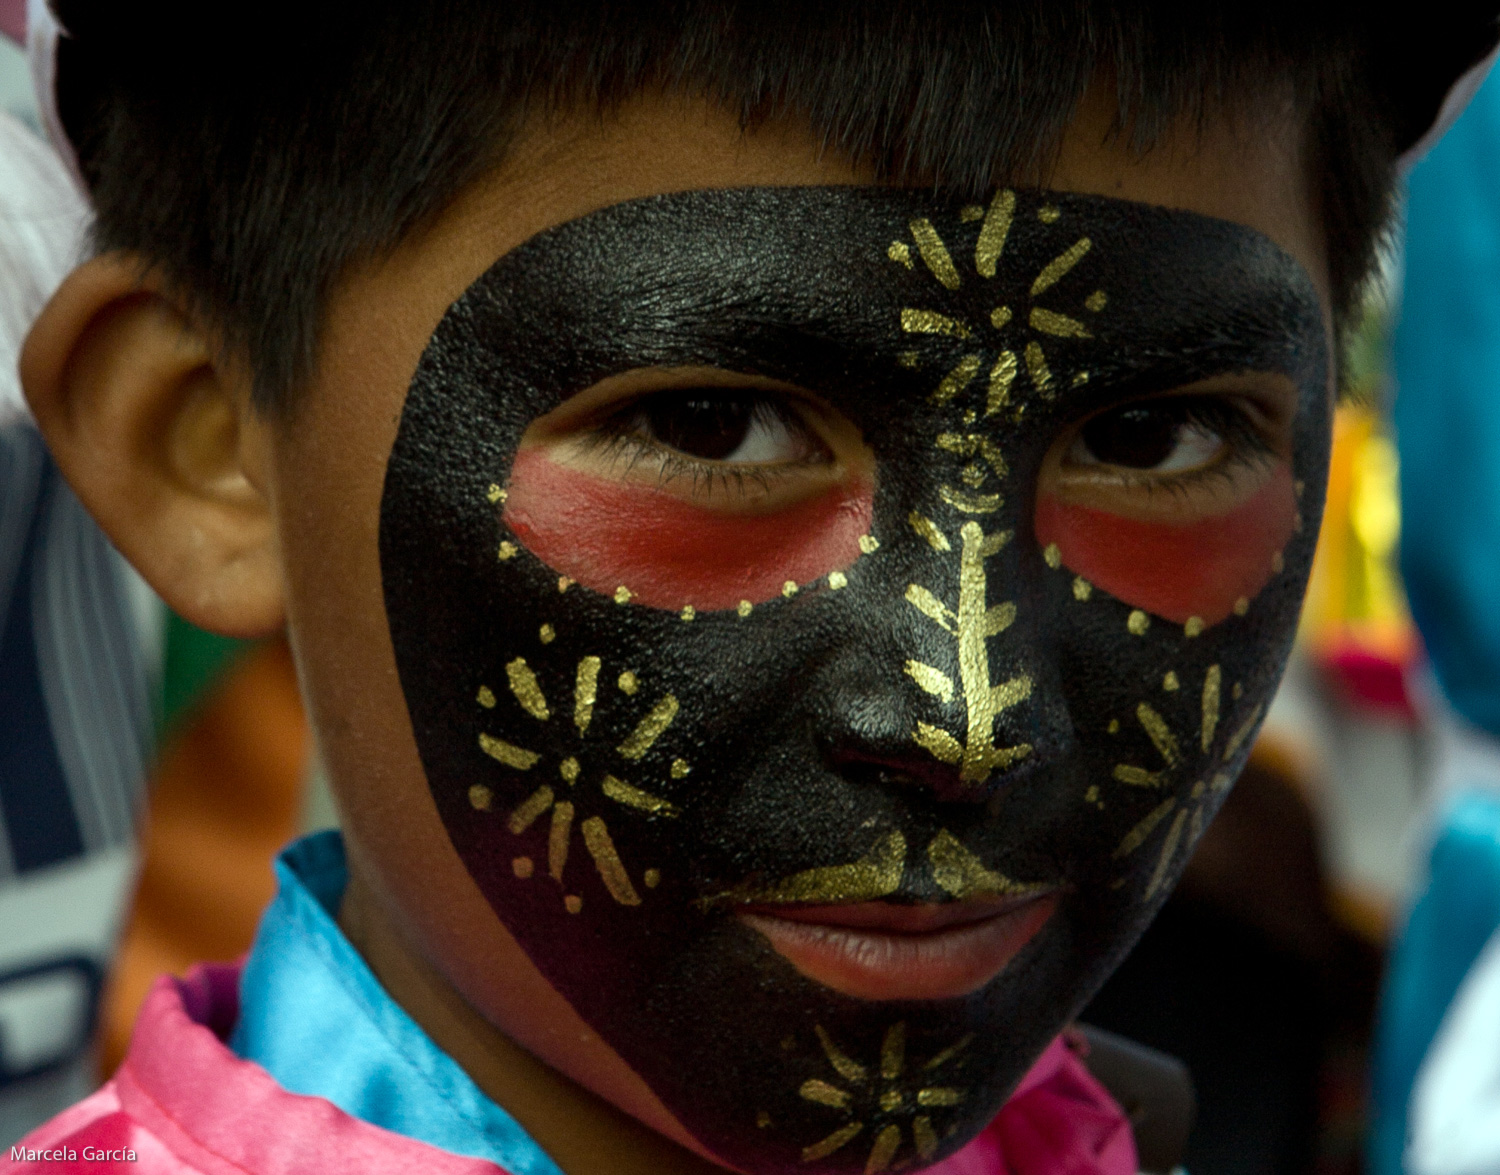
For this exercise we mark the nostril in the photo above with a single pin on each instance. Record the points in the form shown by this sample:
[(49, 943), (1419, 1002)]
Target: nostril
[(878, 774), (871, 771)]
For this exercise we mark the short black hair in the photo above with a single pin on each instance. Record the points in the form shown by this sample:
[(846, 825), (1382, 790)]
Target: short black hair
[(253, 156)]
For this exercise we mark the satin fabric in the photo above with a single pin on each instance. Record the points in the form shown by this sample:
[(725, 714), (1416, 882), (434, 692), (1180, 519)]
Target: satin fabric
[(183, 1104), (1456, 914), (1446, 356), (306, 996)]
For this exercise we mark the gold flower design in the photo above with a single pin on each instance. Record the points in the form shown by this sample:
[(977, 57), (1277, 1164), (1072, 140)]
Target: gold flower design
[(895, 1102), (1187, 814), (562, 800)]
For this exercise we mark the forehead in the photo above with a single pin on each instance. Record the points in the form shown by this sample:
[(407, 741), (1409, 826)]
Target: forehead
[(564, 167), (858, 290)]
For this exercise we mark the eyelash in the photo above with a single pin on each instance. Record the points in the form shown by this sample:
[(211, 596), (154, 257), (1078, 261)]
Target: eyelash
[(618, 439), (1246, 444)]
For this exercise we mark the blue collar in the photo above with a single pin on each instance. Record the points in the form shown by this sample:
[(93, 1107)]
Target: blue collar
[(314, 1016)]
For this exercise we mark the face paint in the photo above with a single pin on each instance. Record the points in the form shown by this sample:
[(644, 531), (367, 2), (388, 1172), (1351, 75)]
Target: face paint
[(603, 534), (1201, 569), (637, 721)]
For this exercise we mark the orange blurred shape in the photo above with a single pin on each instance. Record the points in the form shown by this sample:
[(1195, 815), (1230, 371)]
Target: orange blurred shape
[(225, 798)]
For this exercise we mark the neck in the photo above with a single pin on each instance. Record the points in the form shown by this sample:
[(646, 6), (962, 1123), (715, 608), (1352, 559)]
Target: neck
[(581, 1132)]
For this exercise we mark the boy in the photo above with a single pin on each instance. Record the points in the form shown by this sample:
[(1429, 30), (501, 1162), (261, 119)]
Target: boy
[(775, 630)]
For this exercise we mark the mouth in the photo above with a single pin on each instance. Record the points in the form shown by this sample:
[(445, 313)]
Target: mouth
[(884, 951)]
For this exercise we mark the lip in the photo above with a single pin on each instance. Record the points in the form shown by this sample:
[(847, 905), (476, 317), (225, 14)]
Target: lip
[(884, 951)]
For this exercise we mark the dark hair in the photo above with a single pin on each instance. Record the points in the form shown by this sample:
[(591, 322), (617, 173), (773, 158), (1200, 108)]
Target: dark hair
[(253, 156)]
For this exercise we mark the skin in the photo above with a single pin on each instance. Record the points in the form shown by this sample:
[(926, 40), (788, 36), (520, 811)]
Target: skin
[(244, 524)]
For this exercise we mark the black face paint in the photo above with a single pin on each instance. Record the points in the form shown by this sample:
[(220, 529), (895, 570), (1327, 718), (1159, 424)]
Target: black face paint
[(609, 771)]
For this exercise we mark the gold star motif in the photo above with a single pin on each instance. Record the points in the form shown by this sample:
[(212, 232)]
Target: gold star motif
[(886, 1099), (593, 831), (1187, 815), (1041, 322)]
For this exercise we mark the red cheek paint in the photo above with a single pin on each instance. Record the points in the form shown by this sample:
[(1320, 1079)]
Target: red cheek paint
[(606, 534), (1177, 572)]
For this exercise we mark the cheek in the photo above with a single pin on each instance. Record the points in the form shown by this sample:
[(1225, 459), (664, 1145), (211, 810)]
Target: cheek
[(1177, 572), (669, 553)]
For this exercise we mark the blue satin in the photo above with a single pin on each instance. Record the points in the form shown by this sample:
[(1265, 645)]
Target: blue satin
[(314, 1016), (1447, 413), (1447, 416), (1449, 926)]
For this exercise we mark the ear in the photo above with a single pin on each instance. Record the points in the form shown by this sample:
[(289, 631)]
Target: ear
[(154, 429)]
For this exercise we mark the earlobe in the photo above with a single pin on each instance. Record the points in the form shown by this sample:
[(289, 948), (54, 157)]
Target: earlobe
[(154, 430)]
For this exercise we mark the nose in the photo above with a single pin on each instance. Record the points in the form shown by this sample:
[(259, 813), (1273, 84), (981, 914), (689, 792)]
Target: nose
[(947, 690)]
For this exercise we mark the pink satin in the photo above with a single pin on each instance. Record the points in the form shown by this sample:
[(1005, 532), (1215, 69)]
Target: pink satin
[(13, 25), (186, 1105), (1060, 1121)]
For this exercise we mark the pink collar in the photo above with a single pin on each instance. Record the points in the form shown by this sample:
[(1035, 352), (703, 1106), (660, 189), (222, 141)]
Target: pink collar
[(187, 1104)]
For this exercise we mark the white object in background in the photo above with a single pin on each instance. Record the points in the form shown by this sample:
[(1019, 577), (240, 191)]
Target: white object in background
[(43, 229), (1455, 1105)]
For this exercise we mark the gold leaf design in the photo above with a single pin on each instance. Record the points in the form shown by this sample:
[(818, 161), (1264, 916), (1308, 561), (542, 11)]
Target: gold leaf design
[(930, 322), (992, 234), (927, 529), (1058, 267), (1168, 851), (1037, 369), (1160, 734), (1049, 322), (974, 445), (887, 1143), (938, 743), (1002, 375), (824, 1094), (963, 875), (1136, 837), (1239, 736), (1138, 776), (650, 728), (973, 624), (934, 681), (523, 685), (956, 380), (530, 808), (935, 253), (633, 797), (924, 1136), (585, 692), (557, 839), (846, 1067), (929, 605), (1211, 685), (504, 752), (875, 875), (893, 1051), (835, 1141), (999, 618), (939, 1097), (969, 503), (607, 861)]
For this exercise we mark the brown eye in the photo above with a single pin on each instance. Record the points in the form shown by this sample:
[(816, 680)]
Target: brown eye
[(1165, 436), (732, 428)]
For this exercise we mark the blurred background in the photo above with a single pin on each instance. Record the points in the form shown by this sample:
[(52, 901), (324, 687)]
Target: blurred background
[(1302, 970)]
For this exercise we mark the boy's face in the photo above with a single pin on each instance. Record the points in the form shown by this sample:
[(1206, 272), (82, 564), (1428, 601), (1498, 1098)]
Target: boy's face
[(823, 618)]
